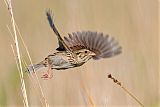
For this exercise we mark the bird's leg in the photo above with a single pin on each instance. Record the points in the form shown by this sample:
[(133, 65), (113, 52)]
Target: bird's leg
[(48, 74)]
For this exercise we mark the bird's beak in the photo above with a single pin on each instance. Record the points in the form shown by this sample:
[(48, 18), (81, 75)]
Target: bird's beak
[(92, 54)]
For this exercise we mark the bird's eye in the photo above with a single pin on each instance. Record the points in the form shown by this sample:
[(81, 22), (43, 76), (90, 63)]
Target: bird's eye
[(85, 51), (78, 53)]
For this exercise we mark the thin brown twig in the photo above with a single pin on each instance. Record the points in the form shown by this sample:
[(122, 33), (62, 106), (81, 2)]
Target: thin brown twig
[(125, 89)]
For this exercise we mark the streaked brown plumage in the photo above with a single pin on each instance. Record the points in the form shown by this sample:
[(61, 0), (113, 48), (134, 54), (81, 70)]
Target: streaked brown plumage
[(77, 49)]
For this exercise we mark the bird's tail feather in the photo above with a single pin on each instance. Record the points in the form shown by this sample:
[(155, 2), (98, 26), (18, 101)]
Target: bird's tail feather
[(35, 67)]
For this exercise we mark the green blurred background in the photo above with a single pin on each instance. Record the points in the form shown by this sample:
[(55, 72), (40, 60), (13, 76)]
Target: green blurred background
[(134, 23)]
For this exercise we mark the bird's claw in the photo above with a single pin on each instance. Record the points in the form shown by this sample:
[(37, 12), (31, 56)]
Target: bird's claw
[(47, 76)]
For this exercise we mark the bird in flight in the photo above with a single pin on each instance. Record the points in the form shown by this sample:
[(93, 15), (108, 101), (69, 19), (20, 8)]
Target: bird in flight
[(76, 49)]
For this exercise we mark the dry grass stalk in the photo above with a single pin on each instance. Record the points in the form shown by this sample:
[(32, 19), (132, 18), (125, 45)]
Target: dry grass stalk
[(128, 92), (17, 68), (23, 87), (25, 64), (87, 97), (36, 80), (15, 27)]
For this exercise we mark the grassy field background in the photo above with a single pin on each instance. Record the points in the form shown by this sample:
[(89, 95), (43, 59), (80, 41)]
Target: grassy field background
[(134, 23)]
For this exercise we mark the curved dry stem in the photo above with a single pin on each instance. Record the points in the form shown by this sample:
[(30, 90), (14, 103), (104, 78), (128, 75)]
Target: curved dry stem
[(125, 89)]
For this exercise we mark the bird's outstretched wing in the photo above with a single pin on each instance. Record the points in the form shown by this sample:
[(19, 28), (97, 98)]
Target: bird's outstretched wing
[(62, 44), (103, 45)]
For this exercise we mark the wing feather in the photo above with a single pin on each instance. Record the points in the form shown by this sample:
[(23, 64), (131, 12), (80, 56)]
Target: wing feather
[(103, 45), (62, 44)]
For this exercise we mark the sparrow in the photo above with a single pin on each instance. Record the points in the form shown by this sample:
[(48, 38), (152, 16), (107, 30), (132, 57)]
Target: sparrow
[(76, 49)]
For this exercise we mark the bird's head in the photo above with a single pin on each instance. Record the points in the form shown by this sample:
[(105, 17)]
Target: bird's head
[(84, 55)]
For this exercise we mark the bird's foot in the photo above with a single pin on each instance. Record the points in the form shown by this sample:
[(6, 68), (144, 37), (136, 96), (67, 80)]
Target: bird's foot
[(47, 75)]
